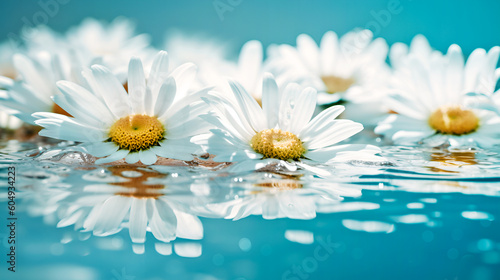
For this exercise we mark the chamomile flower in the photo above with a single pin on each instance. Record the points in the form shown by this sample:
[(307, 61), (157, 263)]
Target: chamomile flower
[(42, 39), (351, 67), (207, 53), (147, 122), (431, 105), (419, 48), (112, 45), (249, 70), (33, 92), (280, 132)]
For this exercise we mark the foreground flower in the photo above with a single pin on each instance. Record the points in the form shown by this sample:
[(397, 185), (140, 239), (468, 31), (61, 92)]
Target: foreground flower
[(281, 131), (431, 102), (352, 67), (139, 126)]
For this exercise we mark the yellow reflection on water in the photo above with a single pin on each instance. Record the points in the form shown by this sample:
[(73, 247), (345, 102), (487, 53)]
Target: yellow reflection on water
[(452, 159), (279, 182), (137, 183)]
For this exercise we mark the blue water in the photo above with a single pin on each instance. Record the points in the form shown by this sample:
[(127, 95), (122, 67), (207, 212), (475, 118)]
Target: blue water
[(435, 220), (469, 24), (422, 214)]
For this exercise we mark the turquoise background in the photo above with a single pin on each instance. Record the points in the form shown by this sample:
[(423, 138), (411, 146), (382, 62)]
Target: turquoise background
[(470, 24)]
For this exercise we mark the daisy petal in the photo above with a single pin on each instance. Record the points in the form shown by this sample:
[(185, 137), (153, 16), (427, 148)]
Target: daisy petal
[(136, 85), (138, 220), (120, 154), (147, 157)]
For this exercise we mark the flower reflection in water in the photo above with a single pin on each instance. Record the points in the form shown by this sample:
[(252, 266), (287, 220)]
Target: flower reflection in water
[(450, 161), (430, 186), (275, 196), (136, 198)]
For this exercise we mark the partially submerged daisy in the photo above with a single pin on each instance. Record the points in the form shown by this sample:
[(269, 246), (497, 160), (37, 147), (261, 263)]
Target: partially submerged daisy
[(352, 67), (146, 122), (280, 132), (431, 102)]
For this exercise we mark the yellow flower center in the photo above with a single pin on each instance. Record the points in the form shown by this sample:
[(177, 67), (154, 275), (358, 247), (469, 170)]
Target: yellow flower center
[(137, 132), (337, 84), (454, 120), (274, 143)]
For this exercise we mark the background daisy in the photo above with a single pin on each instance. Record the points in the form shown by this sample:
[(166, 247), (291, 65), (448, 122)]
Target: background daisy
[(429, 98), (351, 67), (37, 84), (111, 44)]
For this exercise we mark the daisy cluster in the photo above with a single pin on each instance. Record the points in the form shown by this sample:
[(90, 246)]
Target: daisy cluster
[(106, 88)]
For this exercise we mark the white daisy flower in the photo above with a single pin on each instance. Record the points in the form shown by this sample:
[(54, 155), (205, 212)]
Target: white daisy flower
[(430, 99), (33, 92), (137, 199), (147, 122), (42, 39), (249, 70), (352, 67), (280, 132), (114, 44), (419, 48), (207, 53)]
